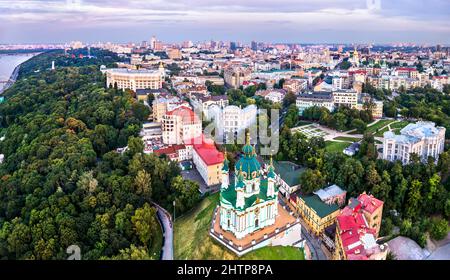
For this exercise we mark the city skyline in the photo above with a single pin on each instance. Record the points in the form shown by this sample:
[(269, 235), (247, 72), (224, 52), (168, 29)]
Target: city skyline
[(287, 21)]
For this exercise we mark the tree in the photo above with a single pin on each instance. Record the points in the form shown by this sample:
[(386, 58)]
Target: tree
[(311, 180), (359, 125), (144, 222), (439, 228), (289, 99), (367, 147), (381, 191), (135, 145), (87, 182), (132, 253), (142, 183), (414, 198)]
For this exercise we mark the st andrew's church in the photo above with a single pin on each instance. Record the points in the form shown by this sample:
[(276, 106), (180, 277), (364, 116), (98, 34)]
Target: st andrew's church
[(249, 203)]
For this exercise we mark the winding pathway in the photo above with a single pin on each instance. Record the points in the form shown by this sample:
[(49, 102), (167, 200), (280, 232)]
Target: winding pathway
[(166, 223)]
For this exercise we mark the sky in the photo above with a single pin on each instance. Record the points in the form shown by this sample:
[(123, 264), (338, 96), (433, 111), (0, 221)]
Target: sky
[(277, 21)]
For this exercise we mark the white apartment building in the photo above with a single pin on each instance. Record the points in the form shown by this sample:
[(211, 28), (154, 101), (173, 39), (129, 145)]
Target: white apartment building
[(134, 79), (273, 95), (233, 119), (207, 102), (319, 99), (347, 98), (179, 125), (421, 138)]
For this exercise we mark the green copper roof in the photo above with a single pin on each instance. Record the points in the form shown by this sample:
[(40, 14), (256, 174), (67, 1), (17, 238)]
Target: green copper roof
[(289, 172), (322, 209), (247, 149), (240, 182), (229, 196), (225, 164), (250, 167)]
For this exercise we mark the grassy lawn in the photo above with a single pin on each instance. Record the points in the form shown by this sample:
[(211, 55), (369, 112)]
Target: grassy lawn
[(157, 243), (399, 125), (348, 139), (381, 132), (275, 253), (302, 123), (192, 240), (378, 125), (331, 146)]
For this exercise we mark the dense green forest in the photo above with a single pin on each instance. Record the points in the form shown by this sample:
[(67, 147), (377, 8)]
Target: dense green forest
[(63, 183)]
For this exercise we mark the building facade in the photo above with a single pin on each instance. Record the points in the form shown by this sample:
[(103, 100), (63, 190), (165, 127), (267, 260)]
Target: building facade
[(134, 79), (231, 120), (348, 98), (315, 212), (319, 99), (235, 76), (208, 161), (179, 125), (421, 138)]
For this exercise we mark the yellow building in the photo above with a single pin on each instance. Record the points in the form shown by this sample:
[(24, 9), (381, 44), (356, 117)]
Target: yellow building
[(208, 161), (134, 79), (316, 213)]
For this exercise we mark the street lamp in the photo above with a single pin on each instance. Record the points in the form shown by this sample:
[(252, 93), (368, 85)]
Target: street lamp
[(174, 211)]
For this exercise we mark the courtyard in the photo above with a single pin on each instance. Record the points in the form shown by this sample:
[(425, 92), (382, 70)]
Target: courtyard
[(310, 130)]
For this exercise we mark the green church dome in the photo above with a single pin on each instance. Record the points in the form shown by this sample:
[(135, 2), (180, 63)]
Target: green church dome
[(248, 163)]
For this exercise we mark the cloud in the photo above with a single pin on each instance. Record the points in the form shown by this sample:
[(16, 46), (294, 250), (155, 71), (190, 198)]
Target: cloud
[(297, 16)]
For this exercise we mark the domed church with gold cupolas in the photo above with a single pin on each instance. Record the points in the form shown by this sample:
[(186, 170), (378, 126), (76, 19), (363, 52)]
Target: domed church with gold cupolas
[(250, 203)]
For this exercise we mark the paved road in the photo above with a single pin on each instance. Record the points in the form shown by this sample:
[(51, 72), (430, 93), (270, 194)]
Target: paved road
[(166, 223)]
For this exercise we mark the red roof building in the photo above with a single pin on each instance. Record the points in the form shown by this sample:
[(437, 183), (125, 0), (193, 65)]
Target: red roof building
[(355, 234), (207, 159), (180, 124)]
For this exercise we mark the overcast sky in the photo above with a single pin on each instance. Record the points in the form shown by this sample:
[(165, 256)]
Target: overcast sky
[(296, 21)]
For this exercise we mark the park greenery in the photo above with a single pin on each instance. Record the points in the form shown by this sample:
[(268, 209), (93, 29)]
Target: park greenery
[(63, 183), (343, 118)]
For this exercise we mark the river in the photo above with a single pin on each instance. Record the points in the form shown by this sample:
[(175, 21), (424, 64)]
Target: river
[(7, 64)]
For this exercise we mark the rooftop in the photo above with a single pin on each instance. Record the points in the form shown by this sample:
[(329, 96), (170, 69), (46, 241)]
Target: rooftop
[(369, 203), (289, 172), (316, 95), (186, 113), (329, 192), (132, 71), (206, 149), (321, 208)]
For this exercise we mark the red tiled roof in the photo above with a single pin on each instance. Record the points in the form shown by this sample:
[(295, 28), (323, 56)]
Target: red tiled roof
[(409, 69), (171, 151), (186, 113), (353, 227), (206, 149), (360, 71), (369, 203)]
